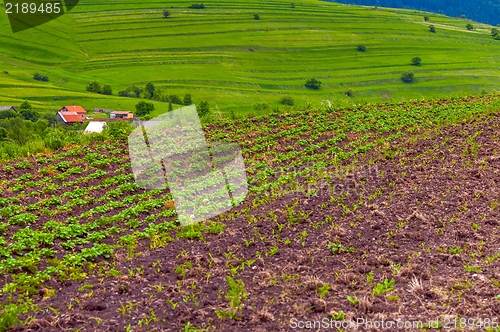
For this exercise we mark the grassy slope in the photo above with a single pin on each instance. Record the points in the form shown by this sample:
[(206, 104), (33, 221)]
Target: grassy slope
[(223, 55)]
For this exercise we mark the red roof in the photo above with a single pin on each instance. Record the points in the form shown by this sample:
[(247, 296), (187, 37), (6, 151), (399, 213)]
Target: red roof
[(76, 109), (70, 117)]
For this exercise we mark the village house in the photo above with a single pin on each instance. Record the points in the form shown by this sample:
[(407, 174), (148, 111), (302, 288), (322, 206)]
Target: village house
[(71, 114), (7, 108), (121, 115)]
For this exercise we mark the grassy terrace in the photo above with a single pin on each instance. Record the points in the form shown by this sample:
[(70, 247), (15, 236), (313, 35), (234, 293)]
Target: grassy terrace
[(223, 55)]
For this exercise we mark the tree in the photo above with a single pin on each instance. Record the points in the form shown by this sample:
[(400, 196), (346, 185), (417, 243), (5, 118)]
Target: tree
[(40, 125), (362, 47), (27, 112), (107, 89), (292, 5), (150, 90), (407, 77), (256, 16), (287, 101), (203, 109), (25, 105), (175, 99), (136, 90), (93, 86), (166, 13), (131, 91), (416, 61), (187, 100), (426, 18), (170, 107), (469, 27), (432, 29), (51, 118), (495, 32), (3, 133), (312, 83), (8, 114), (158, 95), (143, 108)]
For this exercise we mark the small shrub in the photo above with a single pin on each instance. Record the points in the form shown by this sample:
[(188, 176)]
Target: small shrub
[(197, 6), (131, 91), (362, 47), (407, 77), (41, 78), (292, 5), (426, 18), (166, 13), (125, 93), (287, 101), (469, 27), (256, 16), (416, 61), (260, 107), (350, 92), (312, 83), (432, 29)]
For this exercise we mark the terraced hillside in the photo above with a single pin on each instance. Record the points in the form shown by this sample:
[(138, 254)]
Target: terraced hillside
[(224, 55), (385, 211)]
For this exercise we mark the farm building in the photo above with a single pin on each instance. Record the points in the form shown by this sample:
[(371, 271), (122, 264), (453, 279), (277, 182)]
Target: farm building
[(69, 117), (121, 115), (76, 109), (71, 114), (95, 127), (7, 108)]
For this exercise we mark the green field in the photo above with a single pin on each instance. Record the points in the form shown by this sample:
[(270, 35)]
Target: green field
[(223, 55)]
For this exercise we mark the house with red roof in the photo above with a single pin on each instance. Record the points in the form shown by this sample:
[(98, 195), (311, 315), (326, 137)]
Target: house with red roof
[(71, 114)]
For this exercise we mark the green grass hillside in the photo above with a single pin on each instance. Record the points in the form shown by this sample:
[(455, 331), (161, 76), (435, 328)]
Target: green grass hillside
[(223, 55)]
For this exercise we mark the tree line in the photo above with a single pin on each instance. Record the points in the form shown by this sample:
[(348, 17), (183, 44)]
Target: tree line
[(485, 11)]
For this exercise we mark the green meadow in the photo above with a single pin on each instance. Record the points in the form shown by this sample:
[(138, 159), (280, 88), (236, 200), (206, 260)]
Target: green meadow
[(223, 55)]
